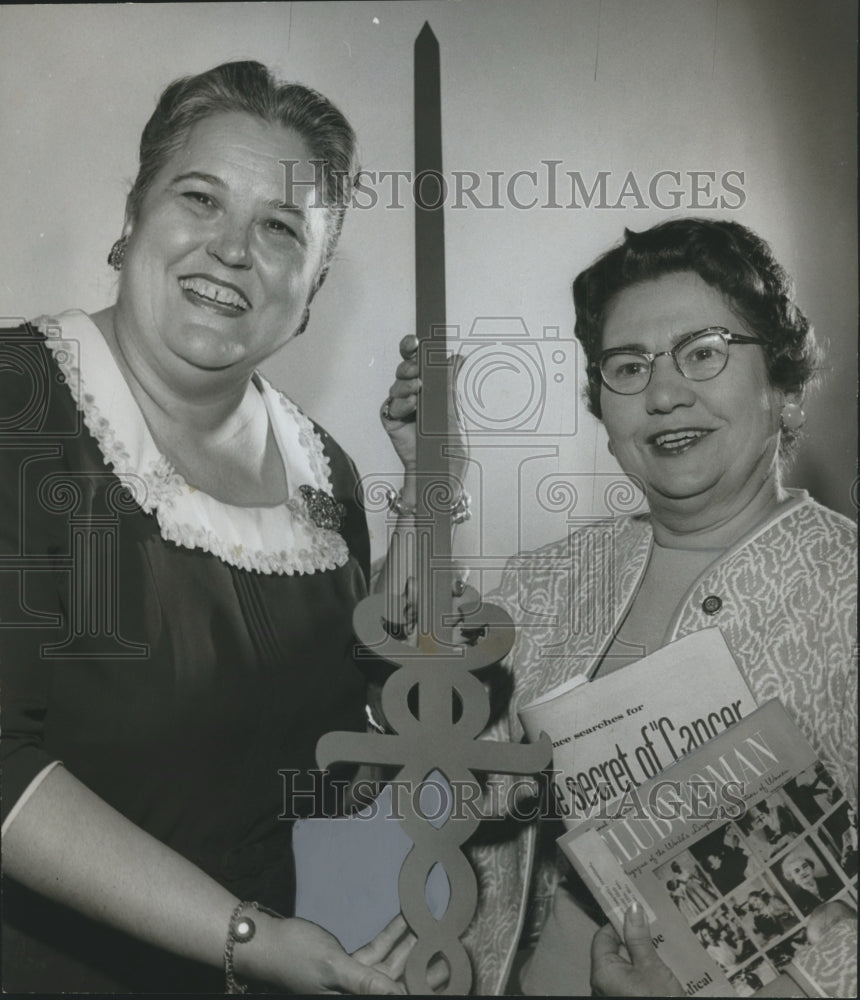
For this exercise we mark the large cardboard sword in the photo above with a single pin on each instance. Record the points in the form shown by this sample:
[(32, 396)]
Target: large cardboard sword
[(432, 699)]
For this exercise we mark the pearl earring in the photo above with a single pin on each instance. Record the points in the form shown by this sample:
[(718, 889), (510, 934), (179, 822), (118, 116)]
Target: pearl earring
[(792, 417)]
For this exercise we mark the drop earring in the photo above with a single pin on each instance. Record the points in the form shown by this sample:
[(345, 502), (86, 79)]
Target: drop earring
[(116, 257)]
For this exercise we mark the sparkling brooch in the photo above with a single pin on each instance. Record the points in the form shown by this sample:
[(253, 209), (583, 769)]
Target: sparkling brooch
[(323, 509)]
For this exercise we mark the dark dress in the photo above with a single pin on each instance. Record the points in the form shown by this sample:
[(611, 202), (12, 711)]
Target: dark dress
[(826, 887), (733, 864), (769, 925), (188, 686)]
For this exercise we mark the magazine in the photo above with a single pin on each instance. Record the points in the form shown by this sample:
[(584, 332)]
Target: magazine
[(623, 729), (741, 854)]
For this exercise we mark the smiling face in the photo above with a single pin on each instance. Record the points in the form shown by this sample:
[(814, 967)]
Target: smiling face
[(704, 451), (216, 275), (800, 872)]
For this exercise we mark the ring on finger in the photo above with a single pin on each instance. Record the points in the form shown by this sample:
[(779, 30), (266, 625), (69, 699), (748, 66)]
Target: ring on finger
[(386, 409)]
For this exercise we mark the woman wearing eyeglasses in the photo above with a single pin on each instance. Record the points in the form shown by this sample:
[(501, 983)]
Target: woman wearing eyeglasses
[(698, 361)]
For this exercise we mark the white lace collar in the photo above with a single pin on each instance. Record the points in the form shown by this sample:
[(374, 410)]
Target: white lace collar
[(280, 539)]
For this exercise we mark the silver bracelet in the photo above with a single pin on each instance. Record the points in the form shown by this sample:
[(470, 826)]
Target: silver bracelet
[(460, 509), (398, 505)]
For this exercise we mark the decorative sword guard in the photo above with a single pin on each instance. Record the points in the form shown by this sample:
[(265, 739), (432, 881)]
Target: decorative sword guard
[(432, 699), (435, 739)]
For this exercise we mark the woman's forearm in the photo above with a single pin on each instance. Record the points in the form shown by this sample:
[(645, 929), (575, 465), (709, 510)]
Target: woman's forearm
[(399, 565), (68, 844)]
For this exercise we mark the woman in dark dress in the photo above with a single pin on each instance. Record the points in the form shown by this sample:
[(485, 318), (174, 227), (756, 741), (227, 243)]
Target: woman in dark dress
[(183, 549)]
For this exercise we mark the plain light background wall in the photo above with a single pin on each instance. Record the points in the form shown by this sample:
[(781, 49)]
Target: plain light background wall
[(763, 87)]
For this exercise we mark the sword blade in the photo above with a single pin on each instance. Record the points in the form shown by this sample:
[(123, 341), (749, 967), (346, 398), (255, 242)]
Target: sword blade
[(434, 530)]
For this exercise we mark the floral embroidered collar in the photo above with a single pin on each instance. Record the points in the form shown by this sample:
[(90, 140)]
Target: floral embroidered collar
[(293, 537)]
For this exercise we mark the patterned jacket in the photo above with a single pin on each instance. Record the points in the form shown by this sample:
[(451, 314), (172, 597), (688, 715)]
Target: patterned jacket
[(785, 599)]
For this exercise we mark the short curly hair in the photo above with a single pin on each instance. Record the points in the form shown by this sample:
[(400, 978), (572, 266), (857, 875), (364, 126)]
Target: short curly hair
[(251, 88), (730, 258)]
